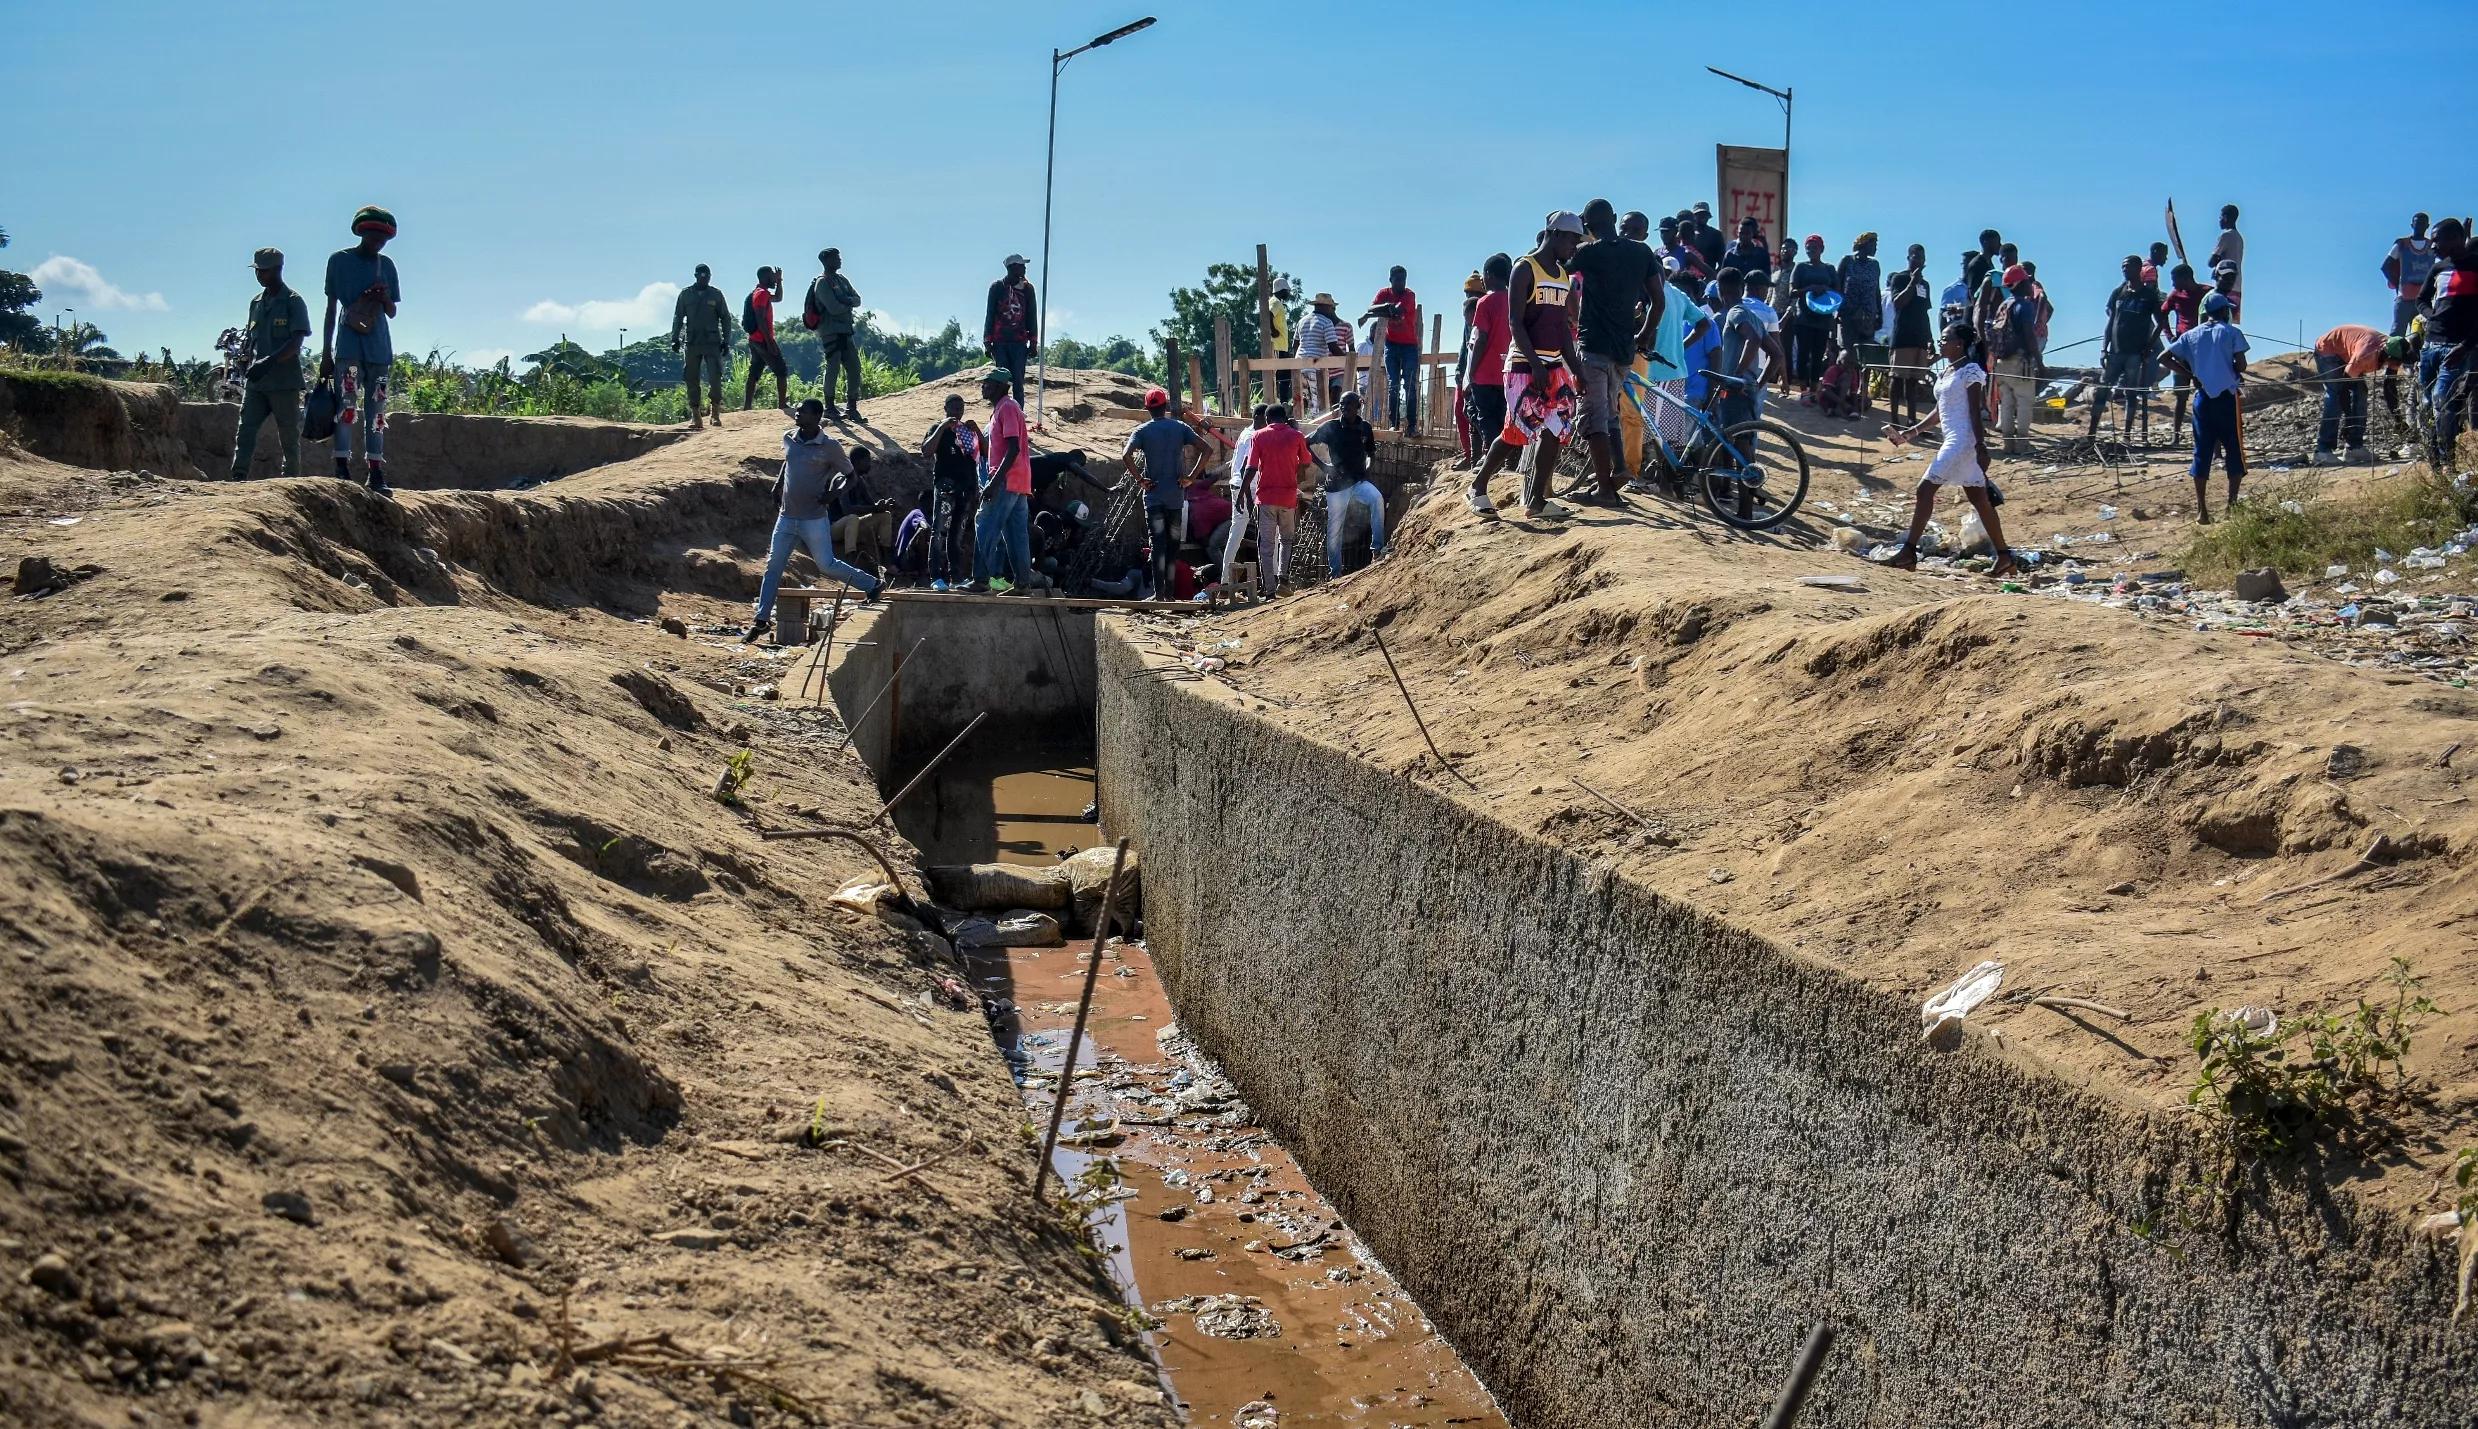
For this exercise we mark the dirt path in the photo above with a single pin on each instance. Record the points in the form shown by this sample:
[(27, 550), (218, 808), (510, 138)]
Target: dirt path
[(381, 966)]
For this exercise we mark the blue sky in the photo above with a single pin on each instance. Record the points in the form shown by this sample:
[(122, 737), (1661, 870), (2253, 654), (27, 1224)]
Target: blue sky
[(552, 163)]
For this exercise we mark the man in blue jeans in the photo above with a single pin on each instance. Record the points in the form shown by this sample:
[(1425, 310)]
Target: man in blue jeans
[(362, 281), (813, 464), (2213, 356), (1009, 330), (1005, 528), (1401, 309), (2451, 299), (1352, 445)]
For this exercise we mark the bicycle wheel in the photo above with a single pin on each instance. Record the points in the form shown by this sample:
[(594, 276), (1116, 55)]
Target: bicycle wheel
[(1757, 494)]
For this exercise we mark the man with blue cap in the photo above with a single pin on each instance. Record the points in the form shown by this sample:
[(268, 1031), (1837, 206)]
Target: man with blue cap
[(2213, 356)]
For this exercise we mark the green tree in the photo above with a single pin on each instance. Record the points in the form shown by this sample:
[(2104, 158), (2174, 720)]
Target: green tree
[(1229, 290), (18, 293), (1116, 354)]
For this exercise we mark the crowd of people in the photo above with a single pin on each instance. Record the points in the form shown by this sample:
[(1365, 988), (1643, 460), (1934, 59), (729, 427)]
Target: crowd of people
[(1601, 333)]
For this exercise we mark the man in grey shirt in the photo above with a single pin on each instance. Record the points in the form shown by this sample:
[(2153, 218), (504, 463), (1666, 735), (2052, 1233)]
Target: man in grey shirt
[(813, 464)]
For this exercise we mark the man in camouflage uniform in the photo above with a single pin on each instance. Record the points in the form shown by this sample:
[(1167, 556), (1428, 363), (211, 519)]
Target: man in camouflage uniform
[(701, 321), (279, 322)]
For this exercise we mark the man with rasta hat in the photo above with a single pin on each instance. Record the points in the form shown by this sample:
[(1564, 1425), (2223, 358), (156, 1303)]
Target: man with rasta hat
[(362, 281)]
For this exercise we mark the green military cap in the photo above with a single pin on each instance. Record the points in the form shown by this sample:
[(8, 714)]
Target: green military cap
[(268, 258)]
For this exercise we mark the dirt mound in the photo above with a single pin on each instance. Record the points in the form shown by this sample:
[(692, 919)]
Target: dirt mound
[(399, 1030), (86, 421), (1901, 780)]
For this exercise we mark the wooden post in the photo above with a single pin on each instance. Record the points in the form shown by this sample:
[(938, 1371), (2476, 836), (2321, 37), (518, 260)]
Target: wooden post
[(1223, 355), (1170, 373), (1196, 380), (1435, 405), (1264, 316)]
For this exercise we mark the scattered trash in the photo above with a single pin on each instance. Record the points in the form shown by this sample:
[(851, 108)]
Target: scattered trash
[(2261, 585), (2107, 513), (2333, 573), (2293, 508), (2386, 577), (2254, 1021), (1833, 582), (864, 895), (1226, 1317), (67, 520), (1720, 875), (1015, 928), (1967, 992), (1092, 1131)]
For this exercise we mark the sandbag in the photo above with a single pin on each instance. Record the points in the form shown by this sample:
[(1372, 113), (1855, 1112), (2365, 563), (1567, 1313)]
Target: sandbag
[(982, 887), (1014, 928), (1088, 873)]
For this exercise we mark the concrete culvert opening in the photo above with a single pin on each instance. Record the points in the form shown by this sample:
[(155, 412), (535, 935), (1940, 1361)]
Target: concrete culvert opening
[(1264, 1306)]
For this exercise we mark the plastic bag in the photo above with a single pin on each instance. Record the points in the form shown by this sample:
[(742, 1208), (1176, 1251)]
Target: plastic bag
[(987, 886), (318, 413), (1968, 991)]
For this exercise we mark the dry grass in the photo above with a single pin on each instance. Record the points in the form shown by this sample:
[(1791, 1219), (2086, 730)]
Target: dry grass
[(2395, 514)]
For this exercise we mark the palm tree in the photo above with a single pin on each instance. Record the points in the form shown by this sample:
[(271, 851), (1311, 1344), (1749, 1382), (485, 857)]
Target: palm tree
[(83, 343)]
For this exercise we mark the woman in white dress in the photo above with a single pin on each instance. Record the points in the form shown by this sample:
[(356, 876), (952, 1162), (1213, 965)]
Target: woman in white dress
[(1962, 457)]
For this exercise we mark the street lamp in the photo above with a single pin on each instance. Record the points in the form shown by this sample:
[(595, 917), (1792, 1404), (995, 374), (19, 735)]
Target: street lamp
[(1783, 96), (1041, 333)]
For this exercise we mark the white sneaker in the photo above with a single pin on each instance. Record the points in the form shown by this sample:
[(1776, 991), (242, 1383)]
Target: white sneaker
[(1479, 503)]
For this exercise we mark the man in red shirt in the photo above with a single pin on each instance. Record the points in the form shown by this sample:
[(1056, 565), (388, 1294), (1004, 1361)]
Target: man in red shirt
[(2184, 307), (1004, 530), (1484, 362), (1275, 459), (757, 320), (1401, 308)]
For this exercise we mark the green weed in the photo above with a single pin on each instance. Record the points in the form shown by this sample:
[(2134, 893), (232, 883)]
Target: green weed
[(736, 776), (2283, 1093), (2395, 513)]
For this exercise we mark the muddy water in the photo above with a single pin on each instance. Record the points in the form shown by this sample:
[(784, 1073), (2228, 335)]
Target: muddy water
[(1270, 1312)]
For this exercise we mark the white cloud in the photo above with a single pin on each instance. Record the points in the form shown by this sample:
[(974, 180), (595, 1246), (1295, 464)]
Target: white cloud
[(650, 308), (58, 273)]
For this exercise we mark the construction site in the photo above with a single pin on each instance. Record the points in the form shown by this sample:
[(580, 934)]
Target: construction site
[(453, 978)]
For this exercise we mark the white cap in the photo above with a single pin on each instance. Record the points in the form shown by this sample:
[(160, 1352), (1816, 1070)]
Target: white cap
[(1563, 222)]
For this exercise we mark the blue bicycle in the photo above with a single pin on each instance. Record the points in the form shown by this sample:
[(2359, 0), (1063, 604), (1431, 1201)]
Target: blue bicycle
[(1752, 474)]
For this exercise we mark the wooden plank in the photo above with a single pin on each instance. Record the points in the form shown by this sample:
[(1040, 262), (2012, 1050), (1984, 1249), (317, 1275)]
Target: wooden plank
[(1035, 602), (1294, 364), (1196, 380), (1222, 355), (1264, 313)]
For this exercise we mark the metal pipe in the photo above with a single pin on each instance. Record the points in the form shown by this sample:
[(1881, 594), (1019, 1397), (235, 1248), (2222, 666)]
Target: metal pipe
[(1802, 1379), (852, 730), (1084, 1007), (887, 807)]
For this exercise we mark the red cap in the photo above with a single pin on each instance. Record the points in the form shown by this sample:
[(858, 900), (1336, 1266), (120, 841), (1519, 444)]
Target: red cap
[(1156, 397), (2016, 274)]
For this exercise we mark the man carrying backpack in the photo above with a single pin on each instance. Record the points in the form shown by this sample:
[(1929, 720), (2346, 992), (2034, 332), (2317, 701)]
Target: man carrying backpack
[(832, 311), (701, 331), (757, 320)]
